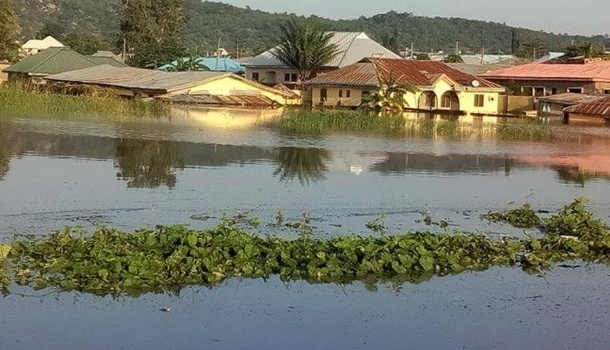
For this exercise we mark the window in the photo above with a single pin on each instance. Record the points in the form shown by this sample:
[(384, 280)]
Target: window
[(479, 100), (446, 101), (538, 91), (290, 77), (255, 76), (606, 91), (348, 93), (340, 93), (577, 90), (554, 91)]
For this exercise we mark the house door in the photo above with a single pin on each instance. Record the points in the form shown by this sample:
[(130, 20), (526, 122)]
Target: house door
[(323, 96)]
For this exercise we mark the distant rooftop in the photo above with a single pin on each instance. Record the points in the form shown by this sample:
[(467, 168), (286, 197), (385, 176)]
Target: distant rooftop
[(353, 46), (594, 71)]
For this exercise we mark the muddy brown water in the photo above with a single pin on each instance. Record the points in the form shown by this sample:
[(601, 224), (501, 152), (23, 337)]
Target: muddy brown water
[(194, 168)]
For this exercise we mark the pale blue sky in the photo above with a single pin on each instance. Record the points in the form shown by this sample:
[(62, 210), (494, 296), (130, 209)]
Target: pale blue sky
[(559, 16)]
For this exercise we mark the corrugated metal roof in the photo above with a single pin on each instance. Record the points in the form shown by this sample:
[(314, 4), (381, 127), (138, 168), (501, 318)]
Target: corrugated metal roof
[(412, 72), (357, 74), (599, 108), (228, 100), (594, 71), (571, 98), (424, 73), (135, 78), (220, 64), (51, 61), (43, 44), (111, 61), (352, 46)]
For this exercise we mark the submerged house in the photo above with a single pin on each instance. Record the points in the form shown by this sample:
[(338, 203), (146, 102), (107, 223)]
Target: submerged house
[(206, 88), (554, 77), (53, 60), (353, 46), (436, 86), (554, 105)]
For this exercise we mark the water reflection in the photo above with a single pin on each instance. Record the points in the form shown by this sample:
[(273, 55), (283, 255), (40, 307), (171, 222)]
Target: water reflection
[(451, 163), (226, 118), (147, 163), (305, 164), (6, 144)]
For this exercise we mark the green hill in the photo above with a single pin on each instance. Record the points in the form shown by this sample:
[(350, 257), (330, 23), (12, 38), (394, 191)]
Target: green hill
[(254, 31)]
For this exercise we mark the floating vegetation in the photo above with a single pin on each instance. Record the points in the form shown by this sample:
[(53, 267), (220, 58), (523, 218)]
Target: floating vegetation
[(167, 259), (21, 100), (522, 217)]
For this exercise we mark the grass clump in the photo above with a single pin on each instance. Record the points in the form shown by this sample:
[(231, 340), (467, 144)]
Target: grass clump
[(320, 122), (26, 101), (523, 217)]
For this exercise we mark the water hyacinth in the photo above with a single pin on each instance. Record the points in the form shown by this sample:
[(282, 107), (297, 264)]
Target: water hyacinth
[(167, 259)]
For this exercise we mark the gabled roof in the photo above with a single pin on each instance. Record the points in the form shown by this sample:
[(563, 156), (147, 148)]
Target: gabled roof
[(594, 71), (51, 61), (43, 44), (352, 46), (148, 80), (423, 74), (572, 98), (220, 64)]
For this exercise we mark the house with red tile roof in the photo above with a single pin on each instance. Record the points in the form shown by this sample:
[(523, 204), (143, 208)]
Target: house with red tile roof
[(554, 77), (435, 86)]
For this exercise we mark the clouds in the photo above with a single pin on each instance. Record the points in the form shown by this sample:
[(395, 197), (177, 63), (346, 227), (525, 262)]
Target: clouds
[(559, 16)]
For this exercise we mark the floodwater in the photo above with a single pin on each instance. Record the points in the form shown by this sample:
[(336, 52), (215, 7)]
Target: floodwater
[(197, 166)]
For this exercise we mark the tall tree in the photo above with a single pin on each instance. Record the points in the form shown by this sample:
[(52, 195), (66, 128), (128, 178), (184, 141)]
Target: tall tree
[(9, 28), (305, 46), (153, 30)]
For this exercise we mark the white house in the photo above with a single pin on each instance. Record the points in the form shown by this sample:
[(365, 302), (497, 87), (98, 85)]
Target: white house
[(353, 47), (34, 46)]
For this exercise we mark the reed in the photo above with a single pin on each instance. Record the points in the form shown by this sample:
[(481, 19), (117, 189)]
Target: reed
[(19, 100)]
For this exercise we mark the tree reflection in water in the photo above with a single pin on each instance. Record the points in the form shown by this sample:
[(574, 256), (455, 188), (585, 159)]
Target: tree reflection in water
[(6, 145), (304, 164), (147, 163)]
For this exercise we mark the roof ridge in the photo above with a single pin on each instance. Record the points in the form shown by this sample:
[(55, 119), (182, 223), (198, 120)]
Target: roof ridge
[(60, 49)]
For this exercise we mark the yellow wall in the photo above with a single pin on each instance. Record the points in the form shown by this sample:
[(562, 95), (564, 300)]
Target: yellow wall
[(271, 76), (333, 99), (466, 97), (229, 85)]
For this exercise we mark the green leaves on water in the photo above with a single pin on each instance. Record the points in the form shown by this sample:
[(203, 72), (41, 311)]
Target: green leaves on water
[(166, 259), (523, 217)]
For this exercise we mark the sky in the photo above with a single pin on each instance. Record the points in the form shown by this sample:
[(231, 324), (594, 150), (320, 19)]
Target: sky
[(584, 17)]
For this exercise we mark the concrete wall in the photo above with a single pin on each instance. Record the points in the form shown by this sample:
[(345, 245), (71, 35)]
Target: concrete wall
[(333, 99), (3, 76), (556, 87), (515, 104)]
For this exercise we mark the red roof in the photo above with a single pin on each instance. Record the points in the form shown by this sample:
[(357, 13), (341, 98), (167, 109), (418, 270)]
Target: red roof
[(412, 72), (595, 71)]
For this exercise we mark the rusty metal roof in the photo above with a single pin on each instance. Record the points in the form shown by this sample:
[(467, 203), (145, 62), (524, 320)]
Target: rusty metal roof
[(572, 98), (595, 71), (600, 108), (412, 72), (228, 100), (357, 74)]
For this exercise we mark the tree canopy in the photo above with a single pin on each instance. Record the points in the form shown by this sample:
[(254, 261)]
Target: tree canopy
[(153, 30), (9, 29), (305, 46)]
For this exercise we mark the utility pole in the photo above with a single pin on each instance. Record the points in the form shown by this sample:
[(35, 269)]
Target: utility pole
[(457, 48), (124, 49), (411, 50), (483, 55)]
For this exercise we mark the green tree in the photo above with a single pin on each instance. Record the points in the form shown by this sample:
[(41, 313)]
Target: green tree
[(305, 46), (533, 49), (586, 50), (422, 57), (187, 64), (56, 30), (9, 28), (85, 43), (153, 30), (389, 98), (453, 58)]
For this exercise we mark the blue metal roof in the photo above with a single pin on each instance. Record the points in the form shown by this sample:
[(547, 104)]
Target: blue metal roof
[(216, 64)]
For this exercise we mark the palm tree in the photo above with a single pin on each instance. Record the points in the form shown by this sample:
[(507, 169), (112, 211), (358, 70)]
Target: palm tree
[(187, 64), (305, 46), (389, 98)]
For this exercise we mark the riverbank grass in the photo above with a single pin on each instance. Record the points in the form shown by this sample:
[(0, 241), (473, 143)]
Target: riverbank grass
[(23, 101)]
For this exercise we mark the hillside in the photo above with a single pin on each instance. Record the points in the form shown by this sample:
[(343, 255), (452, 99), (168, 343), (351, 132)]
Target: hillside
[(254, 31)]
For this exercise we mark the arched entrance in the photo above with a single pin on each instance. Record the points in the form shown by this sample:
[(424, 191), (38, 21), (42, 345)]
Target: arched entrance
[(450, 101), (427, 100)]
